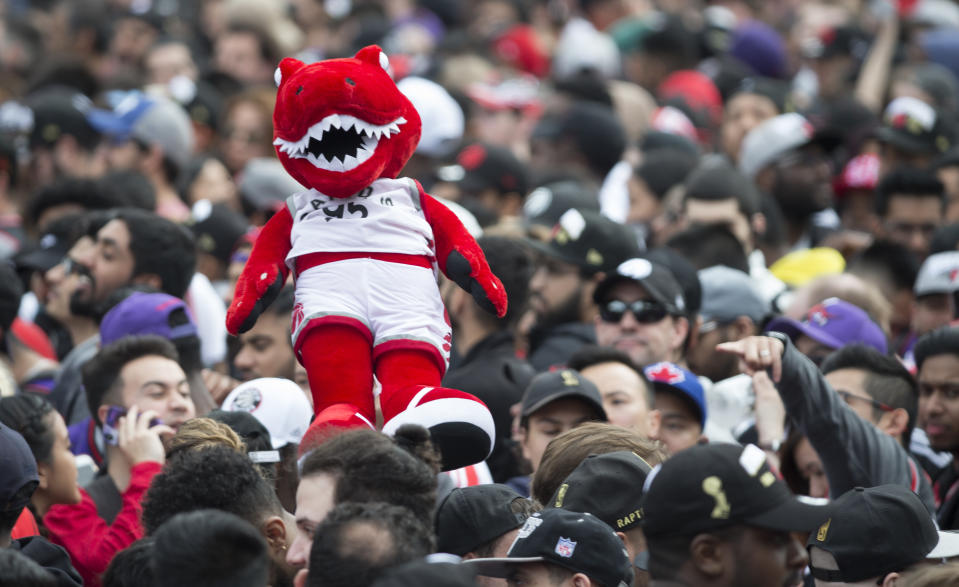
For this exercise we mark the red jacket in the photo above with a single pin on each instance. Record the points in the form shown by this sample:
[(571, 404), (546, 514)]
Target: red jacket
[(87, 538)]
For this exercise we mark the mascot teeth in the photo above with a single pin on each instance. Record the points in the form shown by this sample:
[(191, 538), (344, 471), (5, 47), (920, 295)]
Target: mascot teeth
[(339, 142)]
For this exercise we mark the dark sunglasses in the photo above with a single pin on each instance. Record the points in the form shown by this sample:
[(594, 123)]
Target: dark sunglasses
[(643, 311)]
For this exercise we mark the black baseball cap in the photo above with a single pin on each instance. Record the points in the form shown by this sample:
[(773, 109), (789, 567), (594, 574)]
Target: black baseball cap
[(217, 229), (876, 531), (589, 240), (657, 280), (481, 166), (547, 203), (609, 486), (548, 387), (18, 471), (714, 486), (576, 541), (58, 112), (911, 125), (470, 517)]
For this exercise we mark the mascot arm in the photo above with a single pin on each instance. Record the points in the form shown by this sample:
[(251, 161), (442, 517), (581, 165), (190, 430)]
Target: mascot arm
[(264, 274), (461, 259)]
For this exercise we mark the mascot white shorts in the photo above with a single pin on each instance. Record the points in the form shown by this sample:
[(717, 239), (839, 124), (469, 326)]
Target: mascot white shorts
[(399, 305)]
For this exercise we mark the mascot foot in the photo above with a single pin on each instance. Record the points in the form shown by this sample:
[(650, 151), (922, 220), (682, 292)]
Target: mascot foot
[(460, 425), (330, 421)]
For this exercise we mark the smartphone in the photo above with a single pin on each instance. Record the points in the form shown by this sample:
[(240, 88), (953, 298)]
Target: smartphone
[(114, 413)]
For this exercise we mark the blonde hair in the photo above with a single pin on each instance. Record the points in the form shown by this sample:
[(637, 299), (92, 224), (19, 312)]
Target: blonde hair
[(201, 433)]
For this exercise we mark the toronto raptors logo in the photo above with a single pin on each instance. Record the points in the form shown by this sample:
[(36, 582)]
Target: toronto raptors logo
[(665, 373)]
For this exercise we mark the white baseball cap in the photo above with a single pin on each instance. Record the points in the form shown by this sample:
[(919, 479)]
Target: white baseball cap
[(279, 404)]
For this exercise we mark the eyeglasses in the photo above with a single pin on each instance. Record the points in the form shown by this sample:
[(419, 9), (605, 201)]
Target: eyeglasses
[(846, 396), (643, 311), (72, 267)]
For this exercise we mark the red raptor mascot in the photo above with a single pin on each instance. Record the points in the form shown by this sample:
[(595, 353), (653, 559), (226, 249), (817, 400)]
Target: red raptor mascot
[(364, 247)]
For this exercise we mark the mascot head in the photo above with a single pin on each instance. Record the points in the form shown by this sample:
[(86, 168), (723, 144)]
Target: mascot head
[(340, 124)]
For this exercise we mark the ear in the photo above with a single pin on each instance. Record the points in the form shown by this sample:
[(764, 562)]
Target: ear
[(43, 474), (102, 413), (581, 580), (894, 423), (287, 67), (300, 579), (373, 55), (681, 329), (274, 530), (891, 580), (708, 555)]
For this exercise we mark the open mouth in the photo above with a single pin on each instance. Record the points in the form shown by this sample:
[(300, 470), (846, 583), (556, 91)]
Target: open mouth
[(339, 142)]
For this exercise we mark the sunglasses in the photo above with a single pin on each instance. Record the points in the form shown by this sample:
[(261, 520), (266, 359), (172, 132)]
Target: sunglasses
[(643, 311)]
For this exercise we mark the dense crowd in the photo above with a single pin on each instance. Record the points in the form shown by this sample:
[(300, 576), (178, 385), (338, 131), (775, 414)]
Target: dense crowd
[(728, 232)]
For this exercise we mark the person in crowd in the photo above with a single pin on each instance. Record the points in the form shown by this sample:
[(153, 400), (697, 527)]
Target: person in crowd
[(716, 514), (855, 453), (266, 350), (209, 548), (19, 478), (627, 395), (69, 513), (486, 363), (564, 453), (904, 538), (910, 204), (585, 247), (681, 403), (223, 479), (363, 466), (481, 521), (937, 364), (642, 311), (357, 542), (131, 566), (605, 485), (554, 403), (561, 547)]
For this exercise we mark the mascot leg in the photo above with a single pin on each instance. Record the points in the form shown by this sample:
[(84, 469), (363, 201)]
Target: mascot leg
[(338, 363), (460, 424)]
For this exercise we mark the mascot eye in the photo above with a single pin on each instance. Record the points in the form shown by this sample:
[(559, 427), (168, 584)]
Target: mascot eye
[(350, 81), (299, 90)]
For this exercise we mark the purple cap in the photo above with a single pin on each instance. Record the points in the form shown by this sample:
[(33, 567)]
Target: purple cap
[(834, 323), (674, 378), (17, 470), (761, 48), (147, 313)]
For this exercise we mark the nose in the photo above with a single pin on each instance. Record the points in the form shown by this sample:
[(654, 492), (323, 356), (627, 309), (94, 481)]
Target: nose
[(297, 557), (628, 322), (538, 280), (244, 358)]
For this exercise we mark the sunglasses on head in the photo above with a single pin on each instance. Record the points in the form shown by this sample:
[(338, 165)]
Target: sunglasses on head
[(643, 311)]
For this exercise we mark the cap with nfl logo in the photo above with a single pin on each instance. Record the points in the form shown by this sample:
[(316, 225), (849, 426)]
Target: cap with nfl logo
[(714, 486), (577, 542)]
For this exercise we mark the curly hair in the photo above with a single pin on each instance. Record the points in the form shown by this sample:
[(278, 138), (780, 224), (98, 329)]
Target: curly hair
[(218, 478), (369, 467), (357, 542), (26, 414)]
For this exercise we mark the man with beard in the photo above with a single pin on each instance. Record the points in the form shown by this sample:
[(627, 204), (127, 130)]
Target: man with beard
[(125, 247), (787, 158), (485, 362), (911, 205), (584, 246)]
